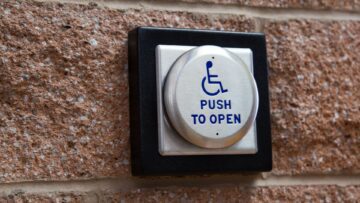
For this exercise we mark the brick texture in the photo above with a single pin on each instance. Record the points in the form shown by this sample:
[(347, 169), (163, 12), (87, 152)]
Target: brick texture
[(63, 86), (346, 5), (64, 101), (240, 194), (224, 193), (315, 97), (56, 197), (64, 93)]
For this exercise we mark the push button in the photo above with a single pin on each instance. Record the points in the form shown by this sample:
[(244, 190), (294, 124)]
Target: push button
[(210, 97)]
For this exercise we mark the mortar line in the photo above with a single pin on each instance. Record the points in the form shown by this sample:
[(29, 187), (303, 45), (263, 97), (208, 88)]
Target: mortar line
[(123, 184), (256, 12), (259, 24)]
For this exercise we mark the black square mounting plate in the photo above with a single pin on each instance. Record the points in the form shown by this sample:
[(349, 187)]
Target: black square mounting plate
[(145, 156)]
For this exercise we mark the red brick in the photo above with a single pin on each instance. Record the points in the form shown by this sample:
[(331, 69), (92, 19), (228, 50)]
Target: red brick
[(239, 194), (346, 5), (64, 86), (315, 97), (224, 193)]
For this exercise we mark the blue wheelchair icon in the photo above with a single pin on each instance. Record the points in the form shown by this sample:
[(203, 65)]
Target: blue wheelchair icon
[(210, 80)]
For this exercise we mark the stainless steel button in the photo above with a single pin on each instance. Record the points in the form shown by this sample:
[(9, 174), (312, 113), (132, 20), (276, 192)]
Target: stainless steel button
[(210, 97)]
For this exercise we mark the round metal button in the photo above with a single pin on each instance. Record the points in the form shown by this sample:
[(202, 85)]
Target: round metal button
[(210, 97)]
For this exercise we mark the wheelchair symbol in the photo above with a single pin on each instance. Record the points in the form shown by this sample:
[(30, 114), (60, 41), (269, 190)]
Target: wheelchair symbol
[(209, 80)]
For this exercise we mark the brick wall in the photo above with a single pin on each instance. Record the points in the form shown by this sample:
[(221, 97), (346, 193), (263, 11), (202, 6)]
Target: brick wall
[(64, 117)]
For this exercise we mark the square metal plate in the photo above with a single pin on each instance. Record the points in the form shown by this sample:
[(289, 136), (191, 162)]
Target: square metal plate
[(144, 120), (170, 142)]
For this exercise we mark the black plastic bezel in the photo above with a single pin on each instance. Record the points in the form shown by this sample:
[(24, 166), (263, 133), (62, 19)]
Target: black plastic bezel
[(145, 157)]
